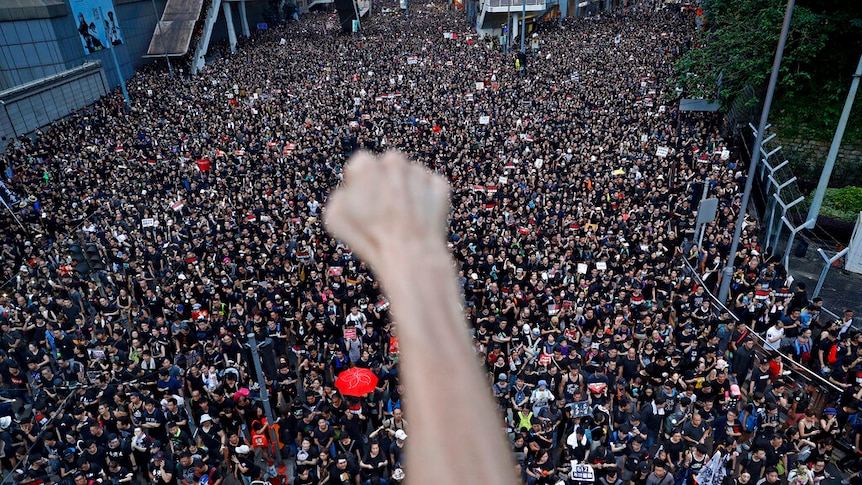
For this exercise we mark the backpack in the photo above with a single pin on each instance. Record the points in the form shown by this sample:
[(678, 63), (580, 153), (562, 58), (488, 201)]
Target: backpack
[(748, 418), (673, 421), (832, 357)]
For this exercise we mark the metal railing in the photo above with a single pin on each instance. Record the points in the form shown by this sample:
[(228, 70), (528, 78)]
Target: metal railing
[(719, 308), (777, 184)]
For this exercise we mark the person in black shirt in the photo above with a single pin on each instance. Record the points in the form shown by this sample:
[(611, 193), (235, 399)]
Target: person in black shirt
[(117, 474), (602, 460), (657, 371), (91, 470), (340, 473), (305, 476), (119, 451), (374, 463), (760, 378)]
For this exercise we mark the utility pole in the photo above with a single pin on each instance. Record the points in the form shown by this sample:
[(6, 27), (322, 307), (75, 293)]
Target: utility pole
[(523, 25), (264, 396), (727, 272), (826, 173)]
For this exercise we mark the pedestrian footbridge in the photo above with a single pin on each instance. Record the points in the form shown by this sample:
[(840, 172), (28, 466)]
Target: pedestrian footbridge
[(187, 25), (499, 16)]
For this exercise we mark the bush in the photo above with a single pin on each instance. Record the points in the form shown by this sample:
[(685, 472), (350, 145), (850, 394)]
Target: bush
[(843, 204)]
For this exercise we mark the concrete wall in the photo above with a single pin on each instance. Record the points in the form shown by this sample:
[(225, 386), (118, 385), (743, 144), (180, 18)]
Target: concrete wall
[(33, 105), (807, 158)]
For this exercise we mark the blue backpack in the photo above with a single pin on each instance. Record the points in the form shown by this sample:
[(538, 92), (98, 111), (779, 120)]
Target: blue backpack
[(748, 418)]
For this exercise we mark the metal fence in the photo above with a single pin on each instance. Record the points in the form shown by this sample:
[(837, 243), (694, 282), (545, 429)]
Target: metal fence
[(807, 375)]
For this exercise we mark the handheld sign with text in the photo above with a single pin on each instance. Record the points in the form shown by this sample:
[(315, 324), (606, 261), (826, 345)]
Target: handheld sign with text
[(582, 473)]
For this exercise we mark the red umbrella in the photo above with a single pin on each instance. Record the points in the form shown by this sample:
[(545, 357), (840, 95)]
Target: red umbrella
[(356, 381)]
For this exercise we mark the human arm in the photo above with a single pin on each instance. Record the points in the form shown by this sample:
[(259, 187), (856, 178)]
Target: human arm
[(392, 214)]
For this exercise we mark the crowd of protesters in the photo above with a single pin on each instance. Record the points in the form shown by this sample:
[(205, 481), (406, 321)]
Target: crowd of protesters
[(575, 185)]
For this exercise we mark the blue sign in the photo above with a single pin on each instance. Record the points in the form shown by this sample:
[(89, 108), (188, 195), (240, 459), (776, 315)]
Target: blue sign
[(261, 26)]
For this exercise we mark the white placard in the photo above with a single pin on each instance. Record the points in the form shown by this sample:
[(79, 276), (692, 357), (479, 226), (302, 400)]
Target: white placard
[(661, 152), (601, 265), (582, 268), (148, 222), (582, 473), (480, 86), (484, 120)]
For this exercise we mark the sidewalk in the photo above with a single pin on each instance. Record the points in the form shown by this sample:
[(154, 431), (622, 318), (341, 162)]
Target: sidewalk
[(842, 289)]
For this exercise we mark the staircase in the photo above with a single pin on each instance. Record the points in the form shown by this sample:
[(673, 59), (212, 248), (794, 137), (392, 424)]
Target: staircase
[(202, 47), (314, 3), (173, 33)]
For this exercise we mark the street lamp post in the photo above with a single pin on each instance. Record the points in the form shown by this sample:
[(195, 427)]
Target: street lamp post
[(727, 272), (523, 25)]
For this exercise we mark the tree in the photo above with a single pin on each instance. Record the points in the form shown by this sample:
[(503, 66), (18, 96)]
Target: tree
[(737, 47)]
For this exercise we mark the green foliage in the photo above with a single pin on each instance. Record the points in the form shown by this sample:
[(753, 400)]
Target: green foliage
[(842, 204), (738, 46), (847, 199)]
